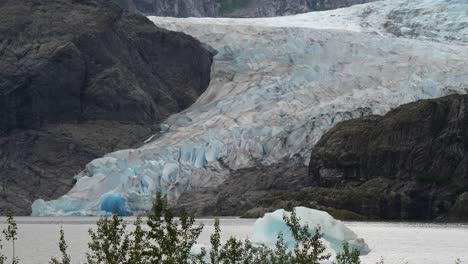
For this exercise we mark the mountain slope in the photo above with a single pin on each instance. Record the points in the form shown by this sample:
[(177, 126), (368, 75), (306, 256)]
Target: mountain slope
[(278, 85), (79, 79)]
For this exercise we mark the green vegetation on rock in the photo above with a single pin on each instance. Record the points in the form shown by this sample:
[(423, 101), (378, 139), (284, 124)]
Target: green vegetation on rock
[(228, 6)]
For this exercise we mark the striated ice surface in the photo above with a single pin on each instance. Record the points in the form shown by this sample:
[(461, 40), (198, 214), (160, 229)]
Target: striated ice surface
[(278, 84), (434, 20), (431, 20), (267, 229)]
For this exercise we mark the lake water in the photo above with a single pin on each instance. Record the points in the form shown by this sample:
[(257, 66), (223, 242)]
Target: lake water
[(397, 243)]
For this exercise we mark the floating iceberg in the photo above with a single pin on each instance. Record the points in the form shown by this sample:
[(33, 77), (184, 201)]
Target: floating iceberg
[(267, 229), (278, 85)]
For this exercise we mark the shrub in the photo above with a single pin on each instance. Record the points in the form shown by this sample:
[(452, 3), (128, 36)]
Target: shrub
[(348, 256), (308, 249), (136, 252), (63, 250), (281, 255), (2, 257), (11, 233), (110, 243), (215, 240), (169, 241)]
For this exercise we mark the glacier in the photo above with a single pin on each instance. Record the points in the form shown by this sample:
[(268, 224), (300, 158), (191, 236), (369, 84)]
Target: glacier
[(278, 84), (335, 233)]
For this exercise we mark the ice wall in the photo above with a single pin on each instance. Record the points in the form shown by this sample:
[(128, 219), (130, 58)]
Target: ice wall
[(274, 91)]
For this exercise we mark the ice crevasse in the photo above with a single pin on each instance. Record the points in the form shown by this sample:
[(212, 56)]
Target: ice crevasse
[(278, 85)]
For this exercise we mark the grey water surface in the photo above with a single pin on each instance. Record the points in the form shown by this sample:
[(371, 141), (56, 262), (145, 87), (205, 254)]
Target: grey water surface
[(397, 243)]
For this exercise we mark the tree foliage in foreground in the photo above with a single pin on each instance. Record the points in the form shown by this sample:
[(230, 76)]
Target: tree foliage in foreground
[(11, 235), (348, 256), (63, 250), (169, 240), (110, 243), (166, 239)]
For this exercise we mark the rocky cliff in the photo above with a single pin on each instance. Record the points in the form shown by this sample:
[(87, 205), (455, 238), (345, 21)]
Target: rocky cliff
[(414, 159), (233, 8), (410, 164), (78, 79)]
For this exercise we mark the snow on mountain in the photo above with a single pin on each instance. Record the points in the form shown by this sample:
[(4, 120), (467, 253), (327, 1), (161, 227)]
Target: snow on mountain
[(278, 84), (435, 20)]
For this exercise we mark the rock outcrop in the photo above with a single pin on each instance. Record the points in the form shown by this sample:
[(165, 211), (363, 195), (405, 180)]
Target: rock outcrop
[(232, 8), (78, 79), (416, 156), (247, 189), (459, 211), (411, 164)]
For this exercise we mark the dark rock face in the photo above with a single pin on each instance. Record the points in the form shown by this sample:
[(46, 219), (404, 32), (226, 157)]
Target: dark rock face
[(80, 78), (41, 163), (246, 189), (459, 211), (252, 192), (89, 60), (423, 141), (233, 8), (410, 164), (420, 150)]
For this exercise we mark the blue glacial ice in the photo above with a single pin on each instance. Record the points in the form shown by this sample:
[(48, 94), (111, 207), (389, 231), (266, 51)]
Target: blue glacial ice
[(335, 233), (278, 85)]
